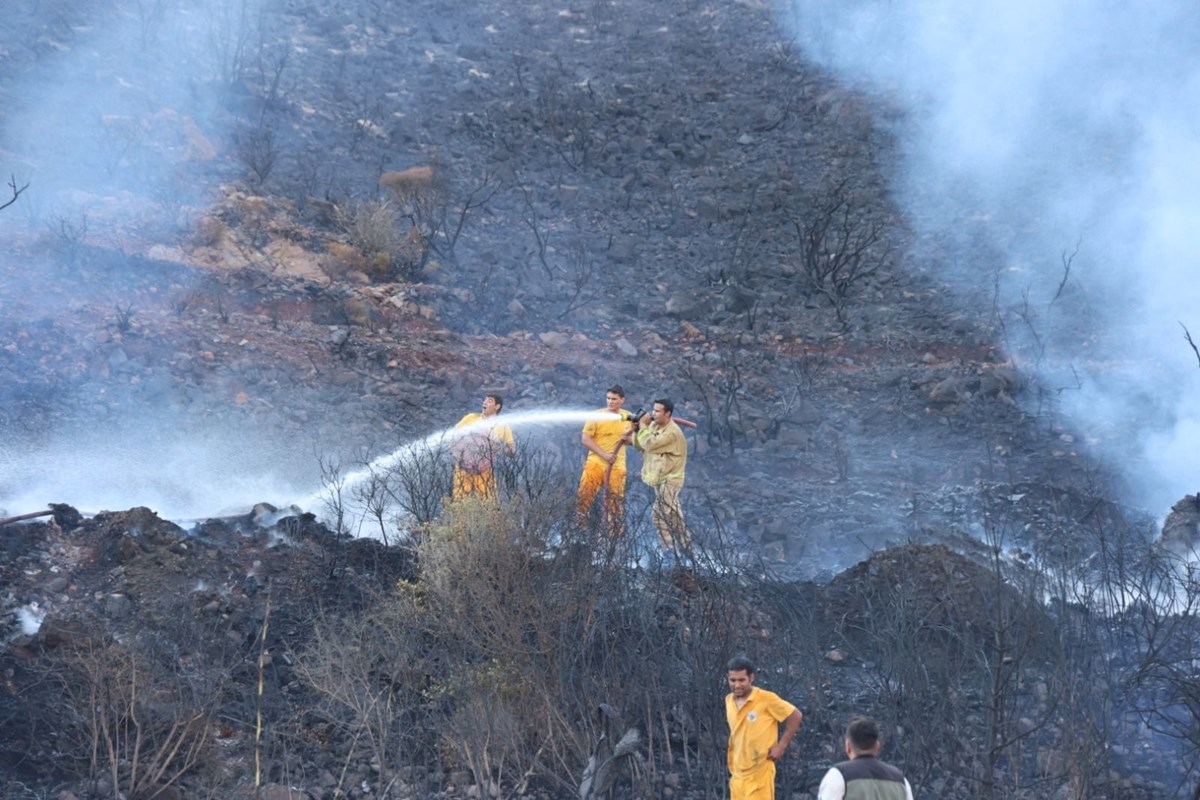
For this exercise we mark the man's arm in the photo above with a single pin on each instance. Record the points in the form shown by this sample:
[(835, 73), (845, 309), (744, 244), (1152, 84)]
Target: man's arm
[(833, 786), (670, 440), (635, 437), (590, 444), (647, 442), (790, 726)]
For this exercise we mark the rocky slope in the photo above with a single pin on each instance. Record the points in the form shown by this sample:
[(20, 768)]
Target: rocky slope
[(634, 195)]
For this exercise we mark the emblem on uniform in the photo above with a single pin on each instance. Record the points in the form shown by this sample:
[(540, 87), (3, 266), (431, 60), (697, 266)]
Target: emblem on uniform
[(753, 715)]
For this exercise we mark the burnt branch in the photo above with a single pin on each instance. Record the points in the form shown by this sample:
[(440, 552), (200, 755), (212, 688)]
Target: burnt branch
[(1067, 260), (841, 245), (16, 191), (581, 269), (477, 198), (533, 220), (1187, 335), (257, 151)]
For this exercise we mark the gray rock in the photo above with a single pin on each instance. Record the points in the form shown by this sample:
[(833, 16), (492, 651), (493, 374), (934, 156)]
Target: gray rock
[(117, 606), (682, 305), (554, 338)]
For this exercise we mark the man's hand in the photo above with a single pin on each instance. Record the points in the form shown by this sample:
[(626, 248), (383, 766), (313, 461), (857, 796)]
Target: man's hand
[(790, 726)]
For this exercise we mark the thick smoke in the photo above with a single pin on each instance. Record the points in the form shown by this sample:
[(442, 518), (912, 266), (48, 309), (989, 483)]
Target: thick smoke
[(1040, 136), (124, 105), (118, 118)]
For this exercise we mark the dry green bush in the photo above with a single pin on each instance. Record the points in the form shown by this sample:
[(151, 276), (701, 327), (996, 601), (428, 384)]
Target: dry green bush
[(414, 187), (515, 619), (436, 209), (208, 232), (341, 259), (370, 225), (373, 228)]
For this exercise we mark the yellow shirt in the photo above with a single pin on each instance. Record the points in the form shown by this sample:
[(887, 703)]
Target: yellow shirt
[(754, 728), (474, 451), (606, 433)]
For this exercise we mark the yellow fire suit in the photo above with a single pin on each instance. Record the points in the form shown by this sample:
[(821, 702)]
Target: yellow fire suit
[(473, 456), (663, 469), (753, 730), (597, 473)]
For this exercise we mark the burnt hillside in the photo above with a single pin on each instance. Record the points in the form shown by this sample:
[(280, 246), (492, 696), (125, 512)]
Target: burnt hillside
[(682, 206), (263, 246)]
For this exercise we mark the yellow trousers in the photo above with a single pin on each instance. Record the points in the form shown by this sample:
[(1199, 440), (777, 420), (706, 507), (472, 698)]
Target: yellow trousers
[(591, 482), (470, 484), (756, 785)]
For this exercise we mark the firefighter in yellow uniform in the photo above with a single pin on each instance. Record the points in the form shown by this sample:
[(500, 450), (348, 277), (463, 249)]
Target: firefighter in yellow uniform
[(475, 452), (664, 467), (605, 464), (754, 716)]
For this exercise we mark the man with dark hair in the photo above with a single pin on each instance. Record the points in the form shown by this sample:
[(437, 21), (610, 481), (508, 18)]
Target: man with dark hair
[(604, 467), (864, 776), (755, 745), (475, 450), (663, 467)]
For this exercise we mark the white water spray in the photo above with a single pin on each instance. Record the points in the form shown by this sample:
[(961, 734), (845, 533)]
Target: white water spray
[(183, 475), (407, 455)]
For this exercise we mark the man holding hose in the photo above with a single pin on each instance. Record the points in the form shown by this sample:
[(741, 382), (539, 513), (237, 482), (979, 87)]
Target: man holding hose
[(605, 465), (662, 442)]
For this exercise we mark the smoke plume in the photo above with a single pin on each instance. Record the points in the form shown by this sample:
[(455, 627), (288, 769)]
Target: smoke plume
[(1050, 158), (117, 118)]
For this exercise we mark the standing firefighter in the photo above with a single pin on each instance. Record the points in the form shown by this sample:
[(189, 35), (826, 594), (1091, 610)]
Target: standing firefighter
[(754, 716), (475, 451), (663, 468), (604, 468)]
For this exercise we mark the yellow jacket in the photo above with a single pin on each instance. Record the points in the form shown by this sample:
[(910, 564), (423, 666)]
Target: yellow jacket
[(666, 453)]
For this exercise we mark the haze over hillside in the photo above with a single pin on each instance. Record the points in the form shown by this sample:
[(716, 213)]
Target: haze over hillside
[(1048, 159)]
